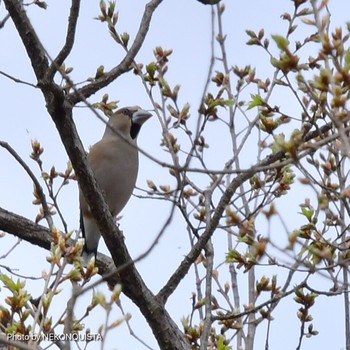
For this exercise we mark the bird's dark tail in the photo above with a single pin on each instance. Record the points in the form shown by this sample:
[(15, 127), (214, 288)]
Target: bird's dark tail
[(86, 253)]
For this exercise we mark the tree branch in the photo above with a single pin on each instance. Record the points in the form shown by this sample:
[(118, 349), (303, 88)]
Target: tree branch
[(34, 48), (67, 48), (25, 229), (209, 2), (4, 20), (164, 328), (38, 188), (191, 257), (125, 64), (40, 236), (16, 80)]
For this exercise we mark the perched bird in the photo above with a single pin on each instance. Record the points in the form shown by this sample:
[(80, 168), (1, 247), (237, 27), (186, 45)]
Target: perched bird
[(114, 162)]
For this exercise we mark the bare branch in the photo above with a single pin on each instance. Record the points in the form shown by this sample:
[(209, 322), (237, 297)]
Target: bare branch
[(209, 2), (191, 257), (165, 329), (29, 38), (38, 188), (125, 64), (25, 229), (16, 80), (68, 45), (209, 256), (6, 339), (4, 20), (151, 308)]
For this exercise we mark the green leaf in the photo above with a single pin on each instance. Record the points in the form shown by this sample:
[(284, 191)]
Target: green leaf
[(221, 344), (281, 41), (279, 143), (254, 41), (228, 103), (111, 9), (275, 62), (99, 72), (151, 69), (308, 213), (10, 284), (220, 102), (256, 101), (233, 256), (251, 33), (125, 39)]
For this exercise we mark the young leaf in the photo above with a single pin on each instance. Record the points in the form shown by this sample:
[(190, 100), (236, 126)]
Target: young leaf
[(281, 42), (256, 101)]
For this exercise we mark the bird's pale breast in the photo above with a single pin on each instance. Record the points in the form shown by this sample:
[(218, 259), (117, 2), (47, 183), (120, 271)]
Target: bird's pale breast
[(117, 182)]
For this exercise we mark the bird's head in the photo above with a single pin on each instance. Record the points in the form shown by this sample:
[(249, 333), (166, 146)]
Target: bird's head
[(127, 121)]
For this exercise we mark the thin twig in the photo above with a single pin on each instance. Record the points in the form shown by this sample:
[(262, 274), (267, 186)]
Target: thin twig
[(4, 20), (38, 188), (209, 256), (68, 45), (16, 80)]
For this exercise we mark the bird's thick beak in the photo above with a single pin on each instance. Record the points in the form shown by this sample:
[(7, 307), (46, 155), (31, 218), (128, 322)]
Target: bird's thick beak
[(140, 116)]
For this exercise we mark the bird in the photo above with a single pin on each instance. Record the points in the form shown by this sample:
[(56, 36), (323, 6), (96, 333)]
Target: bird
[(114, 162)]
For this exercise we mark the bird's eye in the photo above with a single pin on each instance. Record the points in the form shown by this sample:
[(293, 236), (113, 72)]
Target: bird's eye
[(127, 111)]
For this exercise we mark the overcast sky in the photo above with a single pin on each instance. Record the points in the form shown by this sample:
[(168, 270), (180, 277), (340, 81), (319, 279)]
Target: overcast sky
[(181, 25)]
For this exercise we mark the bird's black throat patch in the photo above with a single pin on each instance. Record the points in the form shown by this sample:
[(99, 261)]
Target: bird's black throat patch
[(134, 131)]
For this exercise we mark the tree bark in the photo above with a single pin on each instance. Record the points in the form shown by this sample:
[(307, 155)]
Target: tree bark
[(166, 331)]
